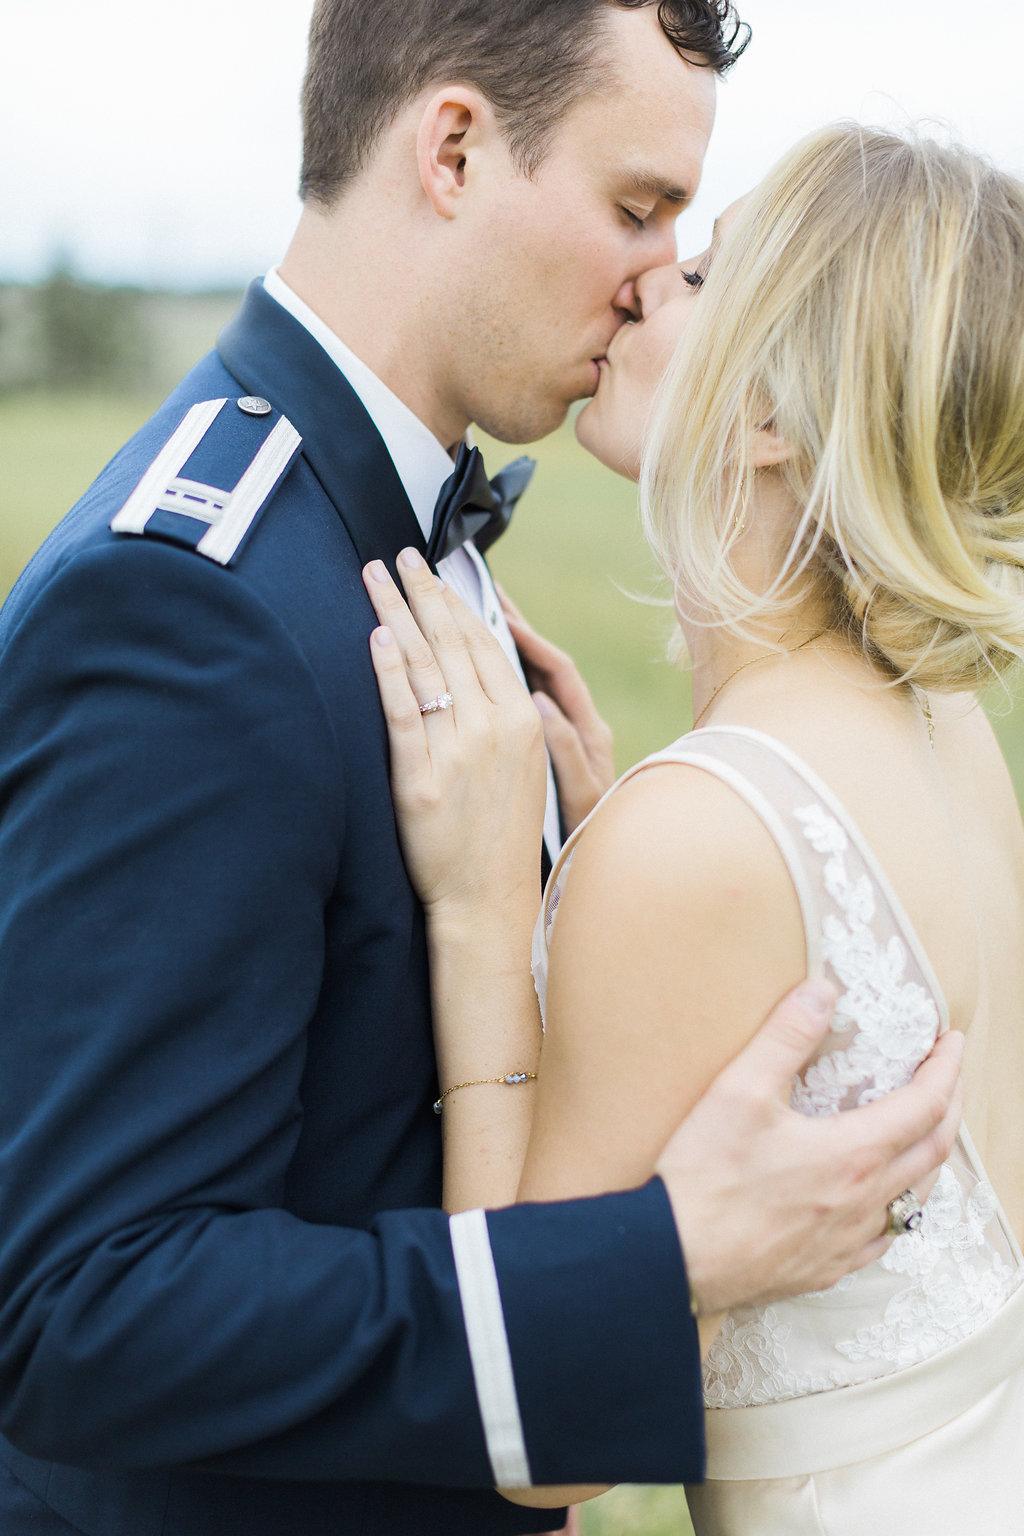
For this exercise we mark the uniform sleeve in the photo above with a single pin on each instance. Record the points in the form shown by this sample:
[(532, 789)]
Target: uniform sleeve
[(171, 808)]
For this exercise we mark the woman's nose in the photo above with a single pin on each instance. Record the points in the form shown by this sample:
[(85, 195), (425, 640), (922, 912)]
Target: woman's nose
[(656, 286)]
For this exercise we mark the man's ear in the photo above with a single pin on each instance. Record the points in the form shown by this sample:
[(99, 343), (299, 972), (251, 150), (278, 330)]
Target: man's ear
[(770, 448), (455, 123)]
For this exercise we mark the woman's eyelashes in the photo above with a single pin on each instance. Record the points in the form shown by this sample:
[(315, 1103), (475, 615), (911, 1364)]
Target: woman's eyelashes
[(698, 277)]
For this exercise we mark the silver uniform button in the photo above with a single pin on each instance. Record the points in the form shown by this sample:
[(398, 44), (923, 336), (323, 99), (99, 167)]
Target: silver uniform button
[(252, 405)]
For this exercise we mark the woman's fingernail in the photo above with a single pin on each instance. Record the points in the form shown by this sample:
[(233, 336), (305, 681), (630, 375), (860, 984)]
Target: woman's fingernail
[(382, 637), (378, 570), (545, 708), (411, 559)]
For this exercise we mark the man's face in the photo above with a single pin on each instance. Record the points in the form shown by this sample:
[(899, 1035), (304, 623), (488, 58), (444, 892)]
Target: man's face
[(556, 255), (613, 425)]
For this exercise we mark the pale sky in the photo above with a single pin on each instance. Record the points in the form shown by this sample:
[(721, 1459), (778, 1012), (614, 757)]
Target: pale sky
[(159, 143)]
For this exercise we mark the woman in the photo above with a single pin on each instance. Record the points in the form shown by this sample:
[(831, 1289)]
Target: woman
[(835, 486)]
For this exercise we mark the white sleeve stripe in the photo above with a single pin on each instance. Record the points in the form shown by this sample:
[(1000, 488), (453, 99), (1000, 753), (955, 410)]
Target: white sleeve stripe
[(488, 1349)]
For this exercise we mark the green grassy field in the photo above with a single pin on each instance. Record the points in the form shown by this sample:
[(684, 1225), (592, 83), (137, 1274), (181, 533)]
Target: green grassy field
[(570, 559)]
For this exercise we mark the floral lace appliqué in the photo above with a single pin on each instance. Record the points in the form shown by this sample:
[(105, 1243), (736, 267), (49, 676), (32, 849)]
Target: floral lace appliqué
[(957, 1281), (895, 1019), (748, 1364), (934, 1286)]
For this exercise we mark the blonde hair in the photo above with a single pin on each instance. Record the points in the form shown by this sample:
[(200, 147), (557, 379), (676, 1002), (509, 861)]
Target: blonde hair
[(868, 305)]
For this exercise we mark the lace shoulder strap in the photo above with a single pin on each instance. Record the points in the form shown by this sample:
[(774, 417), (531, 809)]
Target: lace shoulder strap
[(856, 932)]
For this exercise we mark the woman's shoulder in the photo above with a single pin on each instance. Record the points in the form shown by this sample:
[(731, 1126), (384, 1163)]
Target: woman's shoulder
[(677, 930), (677, 840)]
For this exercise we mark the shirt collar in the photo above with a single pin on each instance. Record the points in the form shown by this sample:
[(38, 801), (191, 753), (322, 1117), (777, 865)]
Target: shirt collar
[(422, 463)]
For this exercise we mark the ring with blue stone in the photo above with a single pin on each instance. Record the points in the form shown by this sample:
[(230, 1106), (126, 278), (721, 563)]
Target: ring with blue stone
[(905, 1214)]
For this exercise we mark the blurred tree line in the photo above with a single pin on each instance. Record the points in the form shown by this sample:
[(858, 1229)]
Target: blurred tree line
[(65, 333), (69, 335), (90, 336)]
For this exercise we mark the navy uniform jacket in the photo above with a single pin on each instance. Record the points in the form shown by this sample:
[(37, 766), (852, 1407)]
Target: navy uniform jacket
[(228, 1301)]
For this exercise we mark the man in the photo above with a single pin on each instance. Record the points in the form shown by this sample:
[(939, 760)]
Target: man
[(226, 1305)]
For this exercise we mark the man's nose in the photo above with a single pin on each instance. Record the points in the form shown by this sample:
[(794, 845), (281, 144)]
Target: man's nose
[(627, 300), (666, 248), (655, 287)]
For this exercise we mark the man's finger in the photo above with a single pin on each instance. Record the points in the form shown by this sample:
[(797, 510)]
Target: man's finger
[(786, 1040), (925, 1109), (923, 1138), (876, 1249)]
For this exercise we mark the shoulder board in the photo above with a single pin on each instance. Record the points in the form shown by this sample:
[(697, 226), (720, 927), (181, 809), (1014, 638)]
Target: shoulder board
[(250, 446)]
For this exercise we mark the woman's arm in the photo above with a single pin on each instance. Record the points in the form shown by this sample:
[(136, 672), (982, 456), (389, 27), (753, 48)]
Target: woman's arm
[(677, 932), (469, 786)]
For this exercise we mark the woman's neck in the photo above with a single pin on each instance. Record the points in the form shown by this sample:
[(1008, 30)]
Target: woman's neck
[(719, 656)]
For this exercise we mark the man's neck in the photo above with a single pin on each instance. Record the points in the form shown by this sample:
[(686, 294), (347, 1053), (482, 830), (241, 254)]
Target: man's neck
[(423, 464), (373, 305)]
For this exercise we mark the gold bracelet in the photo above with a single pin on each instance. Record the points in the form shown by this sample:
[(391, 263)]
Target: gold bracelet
[(510, 1080)]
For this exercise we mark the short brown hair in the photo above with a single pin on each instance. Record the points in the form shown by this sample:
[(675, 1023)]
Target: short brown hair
[(531, 59)]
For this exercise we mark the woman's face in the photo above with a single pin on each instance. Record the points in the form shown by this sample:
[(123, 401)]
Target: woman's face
[(612, 426)]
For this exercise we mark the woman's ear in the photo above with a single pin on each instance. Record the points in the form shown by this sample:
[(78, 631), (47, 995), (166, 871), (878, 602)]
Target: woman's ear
[(770, 448), (454, 125)]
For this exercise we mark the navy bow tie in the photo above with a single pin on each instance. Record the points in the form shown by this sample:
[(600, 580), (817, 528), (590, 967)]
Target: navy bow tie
[(470, 506)]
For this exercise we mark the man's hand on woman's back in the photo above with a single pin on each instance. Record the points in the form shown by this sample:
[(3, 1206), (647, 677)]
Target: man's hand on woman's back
[(770, 1202)]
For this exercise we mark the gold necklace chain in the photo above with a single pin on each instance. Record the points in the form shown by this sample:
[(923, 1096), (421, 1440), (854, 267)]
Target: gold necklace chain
[(919, 694), (744, 665)]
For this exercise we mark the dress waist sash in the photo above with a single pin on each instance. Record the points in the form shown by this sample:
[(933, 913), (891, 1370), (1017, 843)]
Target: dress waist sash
[(850, 1424)]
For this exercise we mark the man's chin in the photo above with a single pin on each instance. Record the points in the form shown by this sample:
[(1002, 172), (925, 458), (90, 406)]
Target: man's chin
[(520, 431)]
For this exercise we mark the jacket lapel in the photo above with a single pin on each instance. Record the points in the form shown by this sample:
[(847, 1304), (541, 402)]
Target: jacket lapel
[(272, 355)]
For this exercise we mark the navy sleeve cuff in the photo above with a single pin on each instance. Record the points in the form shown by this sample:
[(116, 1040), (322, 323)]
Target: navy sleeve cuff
[(603, 1345)]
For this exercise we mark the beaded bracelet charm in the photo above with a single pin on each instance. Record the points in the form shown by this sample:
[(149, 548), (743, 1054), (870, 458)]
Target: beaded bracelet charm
[(510, 1080)]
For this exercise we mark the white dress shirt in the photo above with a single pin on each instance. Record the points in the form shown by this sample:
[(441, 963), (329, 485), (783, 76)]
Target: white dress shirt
[(423, 466)]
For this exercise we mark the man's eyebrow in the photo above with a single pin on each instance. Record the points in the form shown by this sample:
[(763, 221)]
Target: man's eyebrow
[(653, 186)]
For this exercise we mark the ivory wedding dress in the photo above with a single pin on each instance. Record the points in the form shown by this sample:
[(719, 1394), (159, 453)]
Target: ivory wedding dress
[(893, 1403)]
